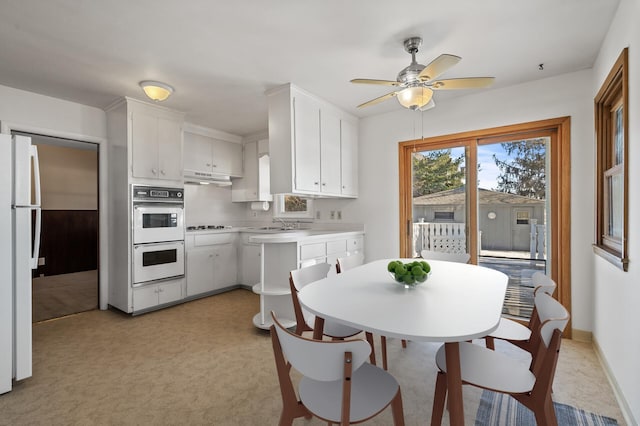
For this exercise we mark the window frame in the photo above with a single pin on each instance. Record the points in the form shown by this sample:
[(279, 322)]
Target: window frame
[(613, 94)]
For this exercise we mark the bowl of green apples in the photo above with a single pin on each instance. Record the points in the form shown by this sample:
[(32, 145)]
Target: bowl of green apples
[(409, 274)]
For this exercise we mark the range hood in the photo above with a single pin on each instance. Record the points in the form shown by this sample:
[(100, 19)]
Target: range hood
[(198, 177)]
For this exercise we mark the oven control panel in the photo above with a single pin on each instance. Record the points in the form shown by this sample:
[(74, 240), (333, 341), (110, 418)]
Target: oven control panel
[(143, 193)]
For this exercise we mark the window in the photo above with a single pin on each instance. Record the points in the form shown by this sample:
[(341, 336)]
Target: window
[(611, 112), (293, 207), (522, 217), (443, 215)]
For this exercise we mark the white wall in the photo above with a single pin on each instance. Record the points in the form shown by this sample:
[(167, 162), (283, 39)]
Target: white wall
[(565, 95), (617, 293), (211, 205), (69, 177)]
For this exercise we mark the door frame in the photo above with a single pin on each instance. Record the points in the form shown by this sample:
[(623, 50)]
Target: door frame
[(103, 259), (559, 240)]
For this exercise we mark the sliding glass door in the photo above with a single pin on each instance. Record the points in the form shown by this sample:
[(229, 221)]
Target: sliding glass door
[(495, 194)]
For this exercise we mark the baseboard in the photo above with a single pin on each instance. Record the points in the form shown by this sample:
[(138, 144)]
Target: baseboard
[(617, 392), (581, 335)]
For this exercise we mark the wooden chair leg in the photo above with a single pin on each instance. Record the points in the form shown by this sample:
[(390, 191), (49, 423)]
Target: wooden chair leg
[(404, 344), (383, 341), (372, 356), (397, 410), (439, 396), (490, 343)]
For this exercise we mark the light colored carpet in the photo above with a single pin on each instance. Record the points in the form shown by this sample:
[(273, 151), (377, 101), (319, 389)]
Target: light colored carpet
[(59, 295), (204, 362)]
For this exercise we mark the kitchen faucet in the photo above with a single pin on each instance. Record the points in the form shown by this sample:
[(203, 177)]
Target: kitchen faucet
[(285, 225)]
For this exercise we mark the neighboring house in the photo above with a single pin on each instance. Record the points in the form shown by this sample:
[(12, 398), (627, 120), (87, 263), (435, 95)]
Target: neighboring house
[(505, 219)]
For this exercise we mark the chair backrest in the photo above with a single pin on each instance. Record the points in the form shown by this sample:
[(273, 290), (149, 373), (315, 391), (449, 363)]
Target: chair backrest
[(321, 360), (553, 319), (542, 282), (552, 315), (449, 257), (303, 276), (348, 262)]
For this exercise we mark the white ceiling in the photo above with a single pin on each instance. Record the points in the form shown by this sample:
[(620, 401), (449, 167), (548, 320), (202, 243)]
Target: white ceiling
[(221, 56)]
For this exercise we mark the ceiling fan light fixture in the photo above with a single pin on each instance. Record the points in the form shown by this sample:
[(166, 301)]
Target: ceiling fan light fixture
[(156, 90), (414, 97)]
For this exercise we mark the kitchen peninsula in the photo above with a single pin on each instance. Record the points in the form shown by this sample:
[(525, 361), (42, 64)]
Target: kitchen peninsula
[(285, 251)]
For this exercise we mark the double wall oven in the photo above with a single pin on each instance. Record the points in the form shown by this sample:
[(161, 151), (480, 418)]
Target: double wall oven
[(158, 234)]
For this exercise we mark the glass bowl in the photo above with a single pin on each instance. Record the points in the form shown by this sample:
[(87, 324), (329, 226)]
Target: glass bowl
[(408, 282)]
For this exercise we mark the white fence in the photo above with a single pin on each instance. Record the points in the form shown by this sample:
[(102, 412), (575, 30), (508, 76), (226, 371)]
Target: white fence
[(445, 237), (451, 238)]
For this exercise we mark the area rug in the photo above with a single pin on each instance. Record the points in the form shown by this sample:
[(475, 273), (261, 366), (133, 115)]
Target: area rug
[(497, 409)]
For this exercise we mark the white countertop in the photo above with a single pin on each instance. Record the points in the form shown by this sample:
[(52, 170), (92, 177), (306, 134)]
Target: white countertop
[(299, 235)]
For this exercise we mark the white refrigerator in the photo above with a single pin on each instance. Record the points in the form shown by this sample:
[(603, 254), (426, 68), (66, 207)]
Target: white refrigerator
[(19, 247)]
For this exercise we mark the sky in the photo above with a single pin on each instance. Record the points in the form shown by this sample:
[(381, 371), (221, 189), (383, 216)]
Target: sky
[(488, 175)]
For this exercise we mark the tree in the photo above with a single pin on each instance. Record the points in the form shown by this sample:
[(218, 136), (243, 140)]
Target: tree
[(435, 171), (523, 173)]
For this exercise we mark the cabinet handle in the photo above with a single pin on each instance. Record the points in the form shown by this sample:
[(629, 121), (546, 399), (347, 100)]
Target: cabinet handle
[(162, 172), (215, 165), (343, 187), (324, 184), (315, 183), (208, 164), (154, 171)]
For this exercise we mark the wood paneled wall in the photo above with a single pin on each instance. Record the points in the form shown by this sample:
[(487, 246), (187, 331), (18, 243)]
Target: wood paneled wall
[(69, 241)]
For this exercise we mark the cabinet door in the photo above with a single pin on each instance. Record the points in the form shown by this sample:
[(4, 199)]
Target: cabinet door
[(197, 152), (349, 158), (145, 297), (200, 270), (169, 149), (226, 267), (227, 158), (169, 292), (144, 141), (307, 144), (329, 153), (250, 266)]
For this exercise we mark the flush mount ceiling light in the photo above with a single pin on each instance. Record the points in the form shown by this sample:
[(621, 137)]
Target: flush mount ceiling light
[(156, 90), (417, 82)]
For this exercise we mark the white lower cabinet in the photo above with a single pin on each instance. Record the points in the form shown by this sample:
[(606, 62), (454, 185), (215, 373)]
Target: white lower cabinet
[(249, 268), (211, 263), (152, 295)]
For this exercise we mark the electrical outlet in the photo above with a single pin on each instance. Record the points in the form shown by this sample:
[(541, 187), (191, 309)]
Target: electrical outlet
[(41, 261), (339, 214), (332, 215), (317, 214), (254, 214)]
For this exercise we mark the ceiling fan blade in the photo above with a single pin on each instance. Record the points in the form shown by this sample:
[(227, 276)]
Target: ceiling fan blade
[(371, 81), (429, 105), (463, 83), (438, 66), (378, 99)]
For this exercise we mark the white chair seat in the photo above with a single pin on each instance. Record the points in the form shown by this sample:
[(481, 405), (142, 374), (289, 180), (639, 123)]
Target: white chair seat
[(331, 329), (489, 369), (371, 391), (511, 330)]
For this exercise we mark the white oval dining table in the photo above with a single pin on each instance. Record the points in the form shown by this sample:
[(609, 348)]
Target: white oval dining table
[(458, 302)]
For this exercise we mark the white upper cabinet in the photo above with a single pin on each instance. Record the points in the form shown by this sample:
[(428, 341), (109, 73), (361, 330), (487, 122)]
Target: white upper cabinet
[(329, 152), (255, 184), (349, 158), (204, 155), (312, 144), (156, 143)]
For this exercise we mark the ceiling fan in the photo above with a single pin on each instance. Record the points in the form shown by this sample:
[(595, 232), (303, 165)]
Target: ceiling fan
[(417, 82)]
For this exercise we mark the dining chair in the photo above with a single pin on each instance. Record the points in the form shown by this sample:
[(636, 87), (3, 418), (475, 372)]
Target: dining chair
[(337, 384), (449, 257), (305, 320), (348, 262), (521, 335), (530, 384)]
